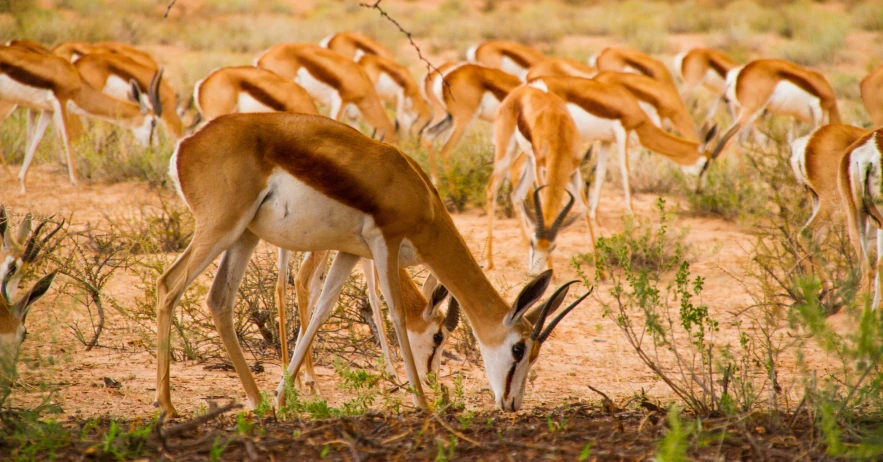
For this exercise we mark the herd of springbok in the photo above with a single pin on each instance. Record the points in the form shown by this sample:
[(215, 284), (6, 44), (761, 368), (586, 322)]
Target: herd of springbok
[(261, 163)]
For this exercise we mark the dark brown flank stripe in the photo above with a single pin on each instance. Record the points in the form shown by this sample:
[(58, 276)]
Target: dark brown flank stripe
[(316, 68), (522, 124), (24, 77), (258, 93), (589, 104), (501, 88), (639, 66), (520, 59), (717, 66)]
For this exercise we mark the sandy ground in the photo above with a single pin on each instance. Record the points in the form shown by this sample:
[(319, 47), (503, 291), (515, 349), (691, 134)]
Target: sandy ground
[(586, 349)]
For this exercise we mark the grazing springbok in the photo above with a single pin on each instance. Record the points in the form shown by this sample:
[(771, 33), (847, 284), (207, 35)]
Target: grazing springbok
[(860, 180), (112, 74), (815, 160), (560, 67), (703, 67), (396, 86), (308, 183), (611, 114), (18, 251), (510, 57), (466, 92), (250, 89), (330, 79), (872, 96), (537, 125), (779, 87), (353, 46), (625, 60), (52, 85)]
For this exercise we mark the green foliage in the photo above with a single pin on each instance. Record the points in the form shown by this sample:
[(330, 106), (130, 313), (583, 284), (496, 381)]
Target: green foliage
[(218, 448), (673, 446), (726, 194)]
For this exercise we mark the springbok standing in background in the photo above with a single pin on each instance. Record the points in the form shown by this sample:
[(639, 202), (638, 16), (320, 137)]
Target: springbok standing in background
[(872, 96), (510, 57), (353, 46), (395, 85), (625, 60)]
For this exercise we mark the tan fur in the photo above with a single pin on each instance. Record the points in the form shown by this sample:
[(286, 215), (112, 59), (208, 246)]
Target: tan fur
[(438, 108), (622, 59), (491, 54), (71, 50), (347, 77), (96, 68), (661, 96), (872, 96), (560, 67), (346, 44), (462, 95), (218, 93)]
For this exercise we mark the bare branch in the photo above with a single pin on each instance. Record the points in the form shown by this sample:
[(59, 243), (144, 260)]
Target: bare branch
[(169, 8)]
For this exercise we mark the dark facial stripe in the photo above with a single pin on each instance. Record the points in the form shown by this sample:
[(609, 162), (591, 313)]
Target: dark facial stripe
[(509, 378), (431, 357)]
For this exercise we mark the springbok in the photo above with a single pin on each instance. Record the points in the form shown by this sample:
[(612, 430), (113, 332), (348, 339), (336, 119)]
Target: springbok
[(308, 183), (73, 51), (330, 79), (625, 60), (815, 160), (250, 89), (467, 91), (860, 180), (537, 125), (112, 74), (610, 113), (18, 251), (510, 57), (396, 86), (52, 85), (872, 96), (353, 46), (779, 87), (703, 67)]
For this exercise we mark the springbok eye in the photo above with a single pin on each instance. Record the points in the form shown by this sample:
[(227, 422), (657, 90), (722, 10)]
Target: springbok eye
[(437, 338), (518, 351)]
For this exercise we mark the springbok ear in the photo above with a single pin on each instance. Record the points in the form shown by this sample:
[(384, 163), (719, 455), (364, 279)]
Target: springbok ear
[(24, 229), (428, 286), (435, 300), (23, 305), (528, 296), (710, 134), (452, 318), (137, 96)]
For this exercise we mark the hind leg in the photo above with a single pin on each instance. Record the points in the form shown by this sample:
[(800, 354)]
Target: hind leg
[(220, 303)]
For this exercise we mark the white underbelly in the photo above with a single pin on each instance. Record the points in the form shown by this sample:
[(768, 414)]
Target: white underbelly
[(714, 82), (11, 91), (247, 103), (789, 99), (117, 88), (591, 127), (489, 106), (299, 218), (318, 90), (388, 89)]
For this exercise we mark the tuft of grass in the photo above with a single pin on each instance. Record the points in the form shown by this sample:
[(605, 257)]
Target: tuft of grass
[(673, 446), (813, 38)]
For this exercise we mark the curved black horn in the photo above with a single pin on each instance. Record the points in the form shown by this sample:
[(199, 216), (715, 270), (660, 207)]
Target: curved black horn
[(556, 225), (31, 248), (153, 92), (453, 316), (546, 333), (551, 304), (420, 132), (4, 223), (538, 207)]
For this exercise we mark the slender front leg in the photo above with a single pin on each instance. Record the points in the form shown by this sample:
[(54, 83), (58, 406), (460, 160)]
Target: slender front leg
[(622, 143), (878, 283), (308, 286), (61, 118), (341, 268), (220, 303), (600, 175), (371, 280), (31, 149), (282, 266), (388, 268)]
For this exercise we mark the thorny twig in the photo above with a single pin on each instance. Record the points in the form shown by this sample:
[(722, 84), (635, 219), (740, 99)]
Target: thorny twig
[(169, 8), (430, 68)]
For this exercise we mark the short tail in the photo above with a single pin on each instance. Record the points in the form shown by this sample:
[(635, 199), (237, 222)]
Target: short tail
[(442, 126)]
